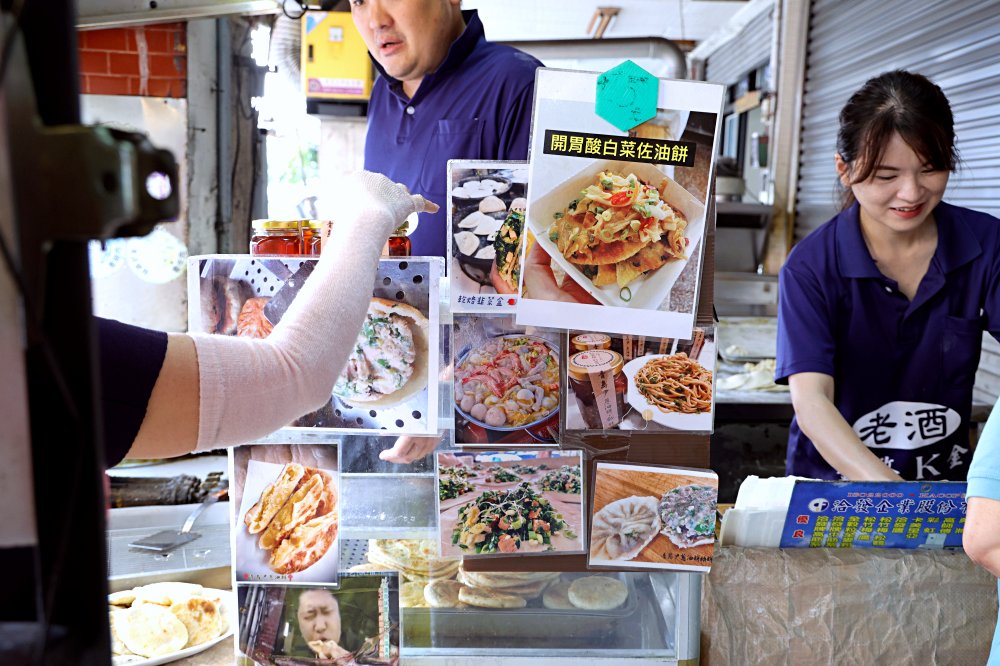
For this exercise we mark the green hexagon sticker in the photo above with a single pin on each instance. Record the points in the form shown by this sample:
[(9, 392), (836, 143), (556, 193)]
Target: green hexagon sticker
[(626, 95)]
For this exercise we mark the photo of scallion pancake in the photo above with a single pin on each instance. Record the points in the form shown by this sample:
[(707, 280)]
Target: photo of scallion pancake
[(389, 361), (292, 509), (619, 228)]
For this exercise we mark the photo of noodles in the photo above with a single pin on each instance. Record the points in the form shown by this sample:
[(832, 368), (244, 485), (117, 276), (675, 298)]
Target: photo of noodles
[(675, 383), (618, 229)]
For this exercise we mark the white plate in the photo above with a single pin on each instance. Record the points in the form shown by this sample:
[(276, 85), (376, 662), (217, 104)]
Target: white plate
[(252, 561), (228, 607), (648, 291), (675, 420)]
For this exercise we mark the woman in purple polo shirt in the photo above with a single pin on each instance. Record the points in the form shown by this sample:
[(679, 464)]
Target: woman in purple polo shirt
[(882, 308)]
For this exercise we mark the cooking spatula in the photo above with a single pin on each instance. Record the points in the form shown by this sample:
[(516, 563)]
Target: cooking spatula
[(282, 298), (167, 540)]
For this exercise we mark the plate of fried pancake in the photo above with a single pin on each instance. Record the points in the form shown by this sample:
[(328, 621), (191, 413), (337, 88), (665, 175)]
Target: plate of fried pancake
[(288, 525), (163, 622)]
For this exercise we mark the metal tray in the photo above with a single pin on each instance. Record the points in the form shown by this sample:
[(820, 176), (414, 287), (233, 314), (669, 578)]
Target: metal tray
[(423, 625), (744, 339)]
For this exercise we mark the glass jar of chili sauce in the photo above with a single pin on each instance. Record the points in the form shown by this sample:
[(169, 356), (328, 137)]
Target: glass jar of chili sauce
[(275, 237), (399, 244), (312, 236), (586, 341), (598, 380)]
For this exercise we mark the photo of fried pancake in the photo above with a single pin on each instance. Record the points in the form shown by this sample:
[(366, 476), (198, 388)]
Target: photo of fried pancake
[(290, 525)]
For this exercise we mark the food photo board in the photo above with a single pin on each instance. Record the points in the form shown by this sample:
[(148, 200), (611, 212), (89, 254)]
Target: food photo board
[(651, 517), (355, 623), (616, 219), (639, 383), (286, 527), (486, 206), (506, 382), (390, 383), (510, 502)]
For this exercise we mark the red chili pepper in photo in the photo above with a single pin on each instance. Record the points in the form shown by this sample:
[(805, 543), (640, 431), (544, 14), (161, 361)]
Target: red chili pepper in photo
[(621, 198)]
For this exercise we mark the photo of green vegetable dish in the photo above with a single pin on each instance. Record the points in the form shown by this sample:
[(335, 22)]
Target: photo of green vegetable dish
[(457, 472), (453, 487), (566, 479), (504, 520), (501, 475)]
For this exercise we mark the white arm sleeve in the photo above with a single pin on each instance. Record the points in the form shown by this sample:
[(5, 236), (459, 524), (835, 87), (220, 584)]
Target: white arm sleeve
[(249, 388)]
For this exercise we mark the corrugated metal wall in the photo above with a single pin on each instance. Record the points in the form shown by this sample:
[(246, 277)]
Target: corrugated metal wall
[(749, 49), (956, 43)]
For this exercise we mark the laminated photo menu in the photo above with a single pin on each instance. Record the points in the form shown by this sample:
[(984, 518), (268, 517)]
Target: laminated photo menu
[(653, 517), (506, 382), (616, 218), (635, 382), (510, 503), (386, 387), (486, 204)]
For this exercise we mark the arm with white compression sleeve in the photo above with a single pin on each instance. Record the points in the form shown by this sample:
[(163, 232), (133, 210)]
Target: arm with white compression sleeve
[(249, 388)]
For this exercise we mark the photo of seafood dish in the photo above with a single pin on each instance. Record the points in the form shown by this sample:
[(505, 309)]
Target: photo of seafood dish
[(618, 229), (498, 475), (653, 517), (508, 383), (450, 488), (525, 470), (457, 472), (508, 510), (389, 361), (505, 521), (566, 479)]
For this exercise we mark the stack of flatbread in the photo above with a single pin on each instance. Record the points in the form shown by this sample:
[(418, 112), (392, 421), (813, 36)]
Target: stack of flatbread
[(502, 589), (416, 561), (162, 618), (296, 518)]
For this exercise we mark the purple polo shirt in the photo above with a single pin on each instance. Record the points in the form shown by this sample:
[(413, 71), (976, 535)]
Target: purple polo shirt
[(477, 105), (903, 371)]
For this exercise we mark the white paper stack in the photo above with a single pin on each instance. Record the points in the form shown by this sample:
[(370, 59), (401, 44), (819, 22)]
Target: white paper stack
[(758, 516)]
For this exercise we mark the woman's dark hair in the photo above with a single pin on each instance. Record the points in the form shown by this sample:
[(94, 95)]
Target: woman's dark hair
[(902, 102)]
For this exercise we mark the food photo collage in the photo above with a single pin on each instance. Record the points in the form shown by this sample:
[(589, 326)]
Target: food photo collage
[(566, 307)]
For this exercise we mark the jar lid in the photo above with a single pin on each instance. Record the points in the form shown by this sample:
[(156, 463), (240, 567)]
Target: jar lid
[(290, 225), (594, 361), (314, 224), (586, 341), (402, 230)]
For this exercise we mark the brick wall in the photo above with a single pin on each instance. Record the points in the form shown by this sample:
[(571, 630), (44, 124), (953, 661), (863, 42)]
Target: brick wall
[(148, 61)]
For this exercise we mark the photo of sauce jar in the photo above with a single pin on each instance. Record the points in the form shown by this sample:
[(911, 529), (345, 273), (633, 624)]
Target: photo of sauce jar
[(599, 383), (275, 237), (312, 236), (586, 341)]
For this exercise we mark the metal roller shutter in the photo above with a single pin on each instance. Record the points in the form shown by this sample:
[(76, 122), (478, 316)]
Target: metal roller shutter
[(956, 43), (746, 51)]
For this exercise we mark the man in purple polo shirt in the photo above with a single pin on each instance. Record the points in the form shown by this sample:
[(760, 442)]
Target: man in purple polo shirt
[(444, 93)]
